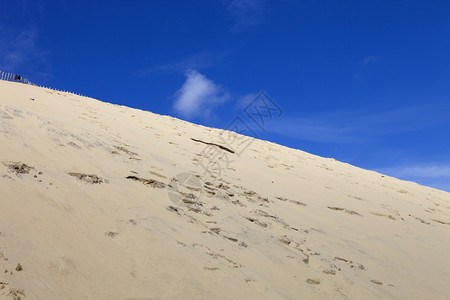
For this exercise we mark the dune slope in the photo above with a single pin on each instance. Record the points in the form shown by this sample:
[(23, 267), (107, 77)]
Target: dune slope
[(99, 201)]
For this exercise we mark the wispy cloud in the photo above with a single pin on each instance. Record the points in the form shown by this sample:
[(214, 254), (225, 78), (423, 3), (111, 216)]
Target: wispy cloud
[(366, 62), (193, 62), (198, 96), (243, 101), (360, 126), (319, 129), (21, 50), (369, 60), (436, 175), (421, 171), (246, 13)]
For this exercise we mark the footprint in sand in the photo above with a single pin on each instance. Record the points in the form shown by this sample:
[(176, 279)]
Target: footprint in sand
[(348, 211), (88, 178), (313, 281)]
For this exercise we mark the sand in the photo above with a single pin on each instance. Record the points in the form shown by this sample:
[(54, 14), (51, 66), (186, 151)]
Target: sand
[(100, 201)]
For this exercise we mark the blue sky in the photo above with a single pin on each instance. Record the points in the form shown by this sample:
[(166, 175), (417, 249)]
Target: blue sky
[(365, 82)]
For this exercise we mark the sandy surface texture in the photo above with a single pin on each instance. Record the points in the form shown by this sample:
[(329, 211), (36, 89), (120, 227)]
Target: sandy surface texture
[(100, 201)]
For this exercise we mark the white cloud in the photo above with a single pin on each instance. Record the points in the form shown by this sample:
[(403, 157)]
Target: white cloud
[(198, 96)]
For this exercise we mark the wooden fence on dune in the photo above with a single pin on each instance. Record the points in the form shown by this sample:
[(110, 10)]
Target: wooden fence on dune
[(17, 78), (14, 77)]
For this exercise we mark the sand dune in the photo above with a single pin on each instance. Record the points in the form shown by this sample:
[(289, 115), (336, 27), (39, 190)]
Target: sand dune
[(100, 201)]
